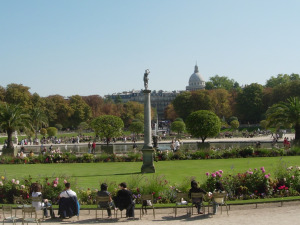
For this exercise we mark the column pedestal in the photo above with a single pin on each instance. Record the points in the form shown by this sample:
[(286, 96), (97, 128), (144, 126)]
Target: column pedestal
[(148, 151)]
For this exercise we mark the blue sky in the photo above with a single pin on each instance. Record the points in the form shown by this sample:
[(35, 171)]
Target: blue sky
[(102, 47)]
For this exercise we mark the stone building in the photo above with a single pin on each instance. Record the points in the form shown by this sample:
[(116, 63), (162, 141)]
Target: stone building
[(160, 99)]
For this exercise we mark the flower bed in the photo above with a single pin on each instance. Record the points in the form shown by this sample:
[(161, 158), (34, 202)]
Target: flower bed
[(252, 184), (58, 157)]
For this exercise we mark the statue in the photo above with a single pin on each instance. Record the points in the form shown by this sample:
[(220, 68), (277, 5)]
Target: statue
[(147, 71)]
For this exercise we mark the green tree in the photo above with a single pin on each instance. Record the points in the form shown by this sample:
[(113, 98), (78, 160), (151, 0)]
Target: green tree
[(282, 79), (43, 131), (264, 124), (18, 94), (38, 118), (178, 126), (59, 126), (118, 99), (83, 126), (286, 114), (234, 124), (136, 127), (13, 118), (203, 124), (182, 104), (2, 94), (81, 111), (107, 126), (249, 103), (221, 82), (52, 131), (58, 110)]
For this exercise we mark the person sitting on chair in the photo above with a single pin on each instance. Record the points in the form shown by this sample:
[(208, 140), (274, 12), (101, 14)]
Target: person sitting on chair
[(68, 203), (124, 200), (196, 201), (219, 189), (41, 204), (104, 193)]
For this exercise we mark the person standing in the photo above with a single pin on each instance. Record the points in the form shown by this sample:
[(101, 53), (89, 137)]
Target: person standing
[(89, 147), (94, 147)]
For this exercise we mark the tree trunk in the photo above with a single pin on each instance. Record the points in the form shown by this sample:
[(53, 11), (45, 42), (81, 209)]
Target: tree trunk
[(10, 144)]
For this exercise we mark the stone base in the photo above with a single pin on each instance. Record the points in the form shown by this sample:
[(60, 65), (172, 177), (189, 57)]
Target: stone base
[(9, 151), (148, 156), (148, 169)]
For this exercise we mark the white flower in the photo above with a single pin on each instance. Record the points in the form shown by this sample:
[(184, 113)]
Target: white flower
[(17, 182)]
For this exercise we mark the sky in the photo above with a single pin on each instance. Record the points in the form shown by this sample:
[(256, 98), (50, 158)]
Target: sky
[(100, 47)]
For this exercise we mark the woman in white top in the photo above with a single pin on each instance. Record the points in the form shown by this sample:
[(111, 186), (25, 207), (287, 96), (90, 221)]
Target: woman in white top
[(41, 205)]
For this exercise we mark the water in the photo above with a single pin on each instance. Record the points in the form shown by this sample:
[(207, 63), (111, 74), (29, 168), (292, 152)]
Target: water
[(123, 148)]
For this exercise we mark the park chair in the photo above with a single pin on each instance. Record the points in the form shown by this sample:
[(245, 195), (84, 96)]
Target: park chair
[(30, 216), (147, 201), (220, 199), (19, 201), (182, 199), (106, 202), (43, 206), (8, 214), (197, 198)]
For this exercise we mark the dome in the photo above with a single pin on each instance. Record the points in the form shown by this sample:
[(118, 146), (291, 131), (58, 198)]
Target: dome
[(196, 81)]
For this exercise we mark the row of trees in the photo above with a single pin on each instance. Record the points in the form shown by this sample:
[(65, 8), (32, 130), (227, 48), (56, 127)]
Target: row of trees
[(226, 98)]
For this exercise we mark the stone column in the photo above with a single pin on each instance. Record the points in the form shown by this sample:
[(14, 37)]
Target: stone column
[(148, 151)]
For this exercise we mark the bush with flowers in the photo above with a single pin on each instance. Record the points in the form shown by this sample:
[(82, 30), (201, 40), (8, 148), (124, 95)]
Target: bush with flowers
[(251, 184), (56, 156)]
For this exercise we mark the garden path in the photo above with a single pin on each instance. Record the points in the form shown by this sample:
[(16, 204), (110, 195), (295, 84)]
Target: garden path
[(265, 214)]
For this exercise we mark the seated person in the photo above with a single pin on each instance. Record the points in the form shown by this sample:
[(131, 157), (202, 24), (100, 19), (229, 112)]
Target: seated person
[(68, 203), (124, 200), (219, 189), (104, 193), (41, 205), (196, 201)]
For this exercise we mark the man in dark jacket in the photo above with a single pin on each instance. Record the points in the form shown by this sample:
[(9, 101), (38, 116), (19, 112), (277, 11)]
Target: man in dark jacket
[(124, 200)]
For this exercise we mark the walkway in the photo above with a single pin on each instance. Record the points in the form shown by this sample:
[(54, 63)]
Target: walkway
[(271, 213)]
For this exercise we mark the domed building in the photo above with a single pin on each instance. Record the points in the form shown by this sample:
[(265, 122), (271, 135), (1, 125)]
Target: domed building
[(196, 81)]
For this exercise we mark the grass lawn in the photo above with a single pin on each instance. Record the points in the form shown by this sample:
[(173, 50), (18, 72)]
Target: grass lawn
[(90, 174)]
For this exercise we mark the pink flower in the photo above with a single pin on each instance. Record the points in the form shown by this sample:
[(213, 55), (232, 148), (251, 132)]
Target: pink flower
[(293, 177), (65, 181), (207, 173), (13, 181), (262, 168), (250, 172), (54, 185), (220, 175), (56, 178), (220, 171), (213, 175), (17, 182), (263, 171), (266, 176)]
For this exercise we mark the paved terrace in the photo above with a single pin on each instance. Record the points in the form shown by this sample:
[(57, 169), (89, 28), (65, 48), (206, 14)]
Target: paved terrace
[(269, 213)]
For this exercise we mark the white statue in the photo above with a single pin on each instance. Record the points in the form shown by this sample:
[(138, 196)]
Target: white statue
[(147, 71)]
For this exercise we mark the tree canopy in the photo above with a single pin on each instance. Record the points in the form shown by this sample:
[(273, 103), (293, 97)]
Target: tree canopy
[(286, 114), (203, 124), (107, 126)]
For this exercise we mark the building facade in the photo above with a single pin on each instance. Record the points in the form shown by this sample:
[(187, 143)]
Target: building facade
[(161, 99)]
